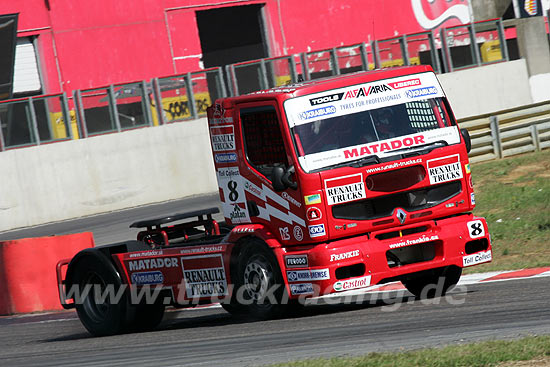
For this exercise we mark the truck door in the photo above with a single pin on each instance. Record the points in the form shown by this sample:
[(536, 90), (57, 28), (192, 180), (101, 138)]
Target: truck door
[(264, 149)]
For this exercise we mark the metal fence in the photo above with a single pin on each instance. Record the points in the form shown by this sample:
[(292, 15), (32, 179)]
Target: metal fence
[(115, 108), (455, 48), (509, 132)]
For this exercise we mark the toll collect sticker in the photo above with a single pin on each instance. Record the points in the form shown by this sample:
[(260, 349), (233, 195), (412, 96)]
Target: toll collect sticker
[(234, 199), (444, 169), (223, 138), (345, 189), (204, 276), (479, 258)]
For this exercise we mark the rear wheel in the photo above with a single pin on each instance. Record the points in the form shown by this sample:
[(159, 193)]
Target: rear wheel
[(433, 283), (259, 287), (147, 316), (102, 307)]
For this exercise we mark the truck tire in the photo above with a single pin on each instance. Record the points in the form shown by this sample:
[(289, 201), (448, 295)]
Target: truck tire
[(147, 317), (428, 284), (100, 317), (259, 291)]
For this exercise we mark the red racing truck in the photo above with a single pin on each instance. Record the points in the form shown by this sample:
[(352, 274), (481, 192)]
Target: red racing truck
[(326, 186)]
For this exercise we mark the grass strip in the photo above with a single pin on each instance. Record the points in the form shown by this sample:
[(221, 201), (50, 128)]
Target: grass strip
[(483, 354), (513, 194)]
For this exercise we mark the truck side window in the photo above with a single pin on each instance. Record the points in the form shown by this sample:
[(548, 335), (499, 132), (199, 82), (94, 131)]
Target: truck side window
[(263, 142)]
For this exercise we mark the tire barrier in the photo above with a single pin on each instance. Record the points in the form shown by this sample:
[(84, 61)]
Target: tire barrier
[(28, 271)]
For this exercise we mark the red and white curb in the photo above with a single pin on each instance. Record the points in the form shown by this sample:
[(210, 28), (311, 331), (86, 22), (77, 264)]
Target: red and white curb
[(469, 279)]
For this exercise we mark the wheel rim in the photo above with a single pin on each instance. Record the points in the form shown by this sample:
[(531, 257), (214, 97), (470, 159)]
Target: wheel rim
[(257, 278), (97, 311)]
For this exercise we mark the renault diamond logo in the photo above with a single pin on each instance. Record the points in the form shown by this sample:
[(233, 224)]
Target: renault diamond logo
[(401, 215)]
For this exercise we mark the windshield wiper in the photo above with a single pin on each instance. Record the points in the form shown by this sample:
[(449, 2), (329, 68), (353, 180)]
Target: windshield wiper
[(421, 149)]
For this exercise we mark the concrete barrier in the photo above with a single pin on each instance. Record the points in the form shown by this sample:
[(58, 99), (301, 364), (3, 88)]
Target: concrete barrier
[(104, 173), (28, 280)]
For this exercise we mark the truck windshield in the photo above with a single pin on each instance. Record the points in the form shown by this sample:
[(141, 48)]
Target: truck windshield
[(398, 122)]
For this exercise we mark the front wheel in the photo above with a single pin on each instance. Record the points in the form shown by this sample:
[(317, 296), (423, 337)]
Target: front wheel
[(433, 283), (259, 291)]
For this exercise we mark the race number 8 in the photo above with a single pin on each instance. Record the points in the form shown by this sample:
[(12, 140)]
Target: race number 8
[(233, 194), (475, 229)]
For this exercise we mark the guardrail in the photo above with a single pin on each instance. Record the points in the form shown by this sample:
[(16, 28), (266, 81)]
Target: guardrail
[(509, 132)]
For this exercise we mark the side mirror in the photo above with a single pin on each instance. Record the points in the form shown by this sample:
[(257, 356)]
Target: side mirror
[(467, 140), (281, 178)]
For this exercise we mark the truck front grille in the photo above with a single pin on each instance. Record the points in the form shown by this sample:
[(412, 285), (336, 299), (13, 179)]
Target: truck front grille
[(383, 206)]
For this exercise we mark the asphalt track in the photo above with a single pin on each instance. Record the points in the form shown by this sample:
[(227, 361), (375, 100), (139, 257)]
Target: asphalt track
[(210, 336)]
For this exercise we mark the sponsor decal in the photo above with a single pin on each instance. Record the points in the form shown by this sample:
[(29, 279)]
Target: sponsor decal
[(364, 91), (344, 285), (298, 233), (223, 138), (221, 121), (231, 183), (416, 241), (285, 235), (217, 116), (301, 288), (322, 111), (479, 258), (476, 229), (239, 215), (147, 264), (146, 253), (345, 189), (345, 226), (394, 165), (385, 145), (405, 83), (204, 276), (225, 157), (467, 168), (317, 230), (296, 261), (201, 249), (421, 92), (243, 229), (291, 199), (313, 214), (444, 169), (312, 199), (326, 99), (253, 189), (344, 255), (148, 277), (304, 275), (473, 198)]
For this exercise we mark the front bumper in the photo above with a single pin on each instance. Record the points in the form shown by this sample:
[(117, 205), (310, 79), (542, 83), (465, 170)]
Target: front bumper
[(384, 256)]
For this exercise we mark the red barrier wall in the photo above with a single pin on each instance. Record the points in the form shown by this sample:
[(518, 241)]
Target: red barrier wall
[(28, 271)]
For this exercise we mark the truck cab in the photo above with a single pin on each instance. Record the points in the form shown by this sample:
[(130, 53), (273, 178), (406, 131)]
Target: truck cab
[(363, 175)]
